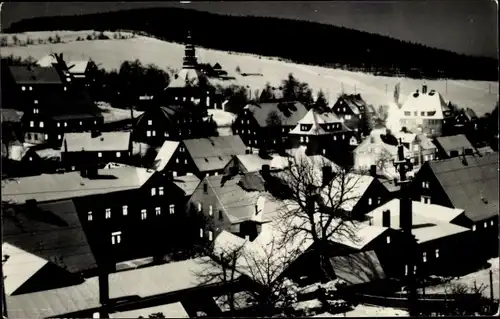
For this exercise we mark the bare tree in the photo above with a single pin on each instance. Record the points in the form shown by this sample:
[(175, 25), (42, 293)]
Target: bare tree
[(317, 209), (384, 158)]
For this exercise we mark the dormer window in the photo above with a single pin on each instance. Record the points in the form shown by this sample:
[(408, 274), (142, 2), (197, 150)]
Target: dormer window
[(407, 113), (431, 113), (415, 113)]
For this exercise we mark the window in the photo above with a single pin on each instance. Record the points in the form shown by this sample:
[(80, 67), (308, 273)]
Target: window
[(166, 134), (35, 111), (437, 253), (485, 224), (150, 122), (425, 199), (426, 158), (210, 235), (118, 154), (32, 124), (154, 133), (35, 136), (23, 88), (220, 215), (89, 216), (30, 158), (177, 160), (148, 133), (210, 211), (58, 124), (255, 141), (425, 184), (65, 124), (31, 88), (348, 116), (144, 214), (415, 113), (160, 190), (153, 191), (205, 188), (343, 136), (199, 207), (424, 257), (174, 173), (116, 237), (415, 269), (473, 227), (41, 123), (185, 161), (99, 154), (95, 122), (216, 174), (491, 223), (171, 209), (59, 136), (415, 147), (335, 137), (406, 270), (81, 123), (302, 139), (201, 232), (422, 113), (307, 140), (125, 210), (388, 239), (369, 201), (158, 211), (407, 113), (108, 213)]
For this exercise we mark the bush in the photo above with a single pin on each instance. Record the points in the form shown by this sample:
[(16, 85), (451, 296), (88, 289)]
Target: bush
[(89, 37), (57, 38), (29, 41), (51, 40), (41, 41), (102, 36), (4, 41)]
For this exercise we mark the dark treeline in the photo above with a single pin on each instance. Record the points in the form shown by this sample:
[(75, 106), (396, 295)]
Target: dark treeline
[(290, 39)]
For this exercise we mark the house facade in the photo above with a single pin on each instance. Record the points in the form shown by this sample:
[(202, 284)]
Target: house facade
[(267, 125), (173, 123), (469, 183), (80, 150), (421, 148), (352, 109), (425, 112)]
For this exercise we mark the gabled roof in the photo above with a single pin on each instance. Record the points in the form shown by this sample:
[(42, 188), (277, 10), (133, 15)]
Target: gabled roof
[(35, 74), (430, 221), (172, 113), (214, 153), (187, 183), (48, 231), (358, 268), (472, 186), (165, 153), (155, 280), (354, 102), (106, 141), (425, 102), (252, 162), (289, 113), (237, 203), (51, 187), (19, 267), (425, 142), (47, 61), (78, 66), (313, 119), (454, 142)]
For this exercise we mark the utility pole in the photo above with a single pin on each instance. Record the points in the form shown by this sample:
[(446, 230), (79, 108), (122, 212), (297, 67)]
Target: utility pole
[(406, 222), (386, 90)]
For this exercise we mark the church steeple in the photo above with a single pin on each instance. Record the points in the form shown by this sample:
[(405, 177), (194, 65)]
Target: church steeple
[(190, 61)]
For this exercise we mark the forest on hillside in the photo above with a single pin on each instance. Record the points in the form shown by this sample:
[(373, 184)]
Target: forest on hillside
[(297, 41)]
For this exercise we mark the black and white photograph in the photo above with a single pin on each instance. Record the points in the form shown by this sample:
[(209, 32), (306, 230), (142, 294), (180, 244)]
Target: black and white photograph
[(184, 159)]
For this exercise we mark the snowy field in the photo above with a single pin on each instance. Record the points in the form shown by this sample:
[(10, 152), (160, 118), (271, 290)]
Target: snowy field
[(377, 90), (369, 311)]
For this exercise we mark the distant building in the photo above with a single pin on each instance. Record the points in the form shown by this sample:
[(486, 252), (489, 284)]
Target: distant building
[(173, 123), (267, 125), (82, 71), (425, 112), (82, 149), (421, 148), (453, 146), (351, 109)]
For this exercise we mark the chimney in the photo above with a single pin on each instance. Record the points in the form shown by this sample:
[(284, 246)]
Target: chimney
[(327, 174), (373, 170), (65, 146), (103, 287), (256, 210), (265, 171), (386, 218), (205, 187), (424, 89)]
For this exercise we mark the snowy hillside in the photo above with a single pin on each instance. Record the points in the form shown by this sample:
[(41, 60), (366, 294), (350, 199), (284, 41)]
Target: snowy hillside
[(478, 95)]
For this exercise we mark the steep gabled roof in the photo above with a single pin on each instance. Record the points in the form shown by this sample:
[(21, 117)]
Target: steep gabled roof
[(214, 153), (454, 142), (35, 74), (106, 141), (165, 153), (187, 183), (50, 231), (289, 113), (425, 102), (472, 186), (354, 102)]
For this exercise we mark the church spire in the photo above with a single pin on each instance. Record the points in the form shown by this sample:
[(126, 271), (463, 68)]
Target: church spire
[(190, 61)]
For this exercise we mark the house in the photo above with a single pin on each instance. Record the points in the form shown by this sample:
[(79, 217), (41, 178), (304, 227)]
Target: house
[(29, 230), (108, 295), (80, 150), (439, 240), (425, 112), (266, 125), (172, 122), (321, 133), (351, 108), (191, 85), (469, 183), (83, 71), (373, 151), (123, 210), (421, 148), (229, 204), (246, 163), (465, 122), (454, 146)]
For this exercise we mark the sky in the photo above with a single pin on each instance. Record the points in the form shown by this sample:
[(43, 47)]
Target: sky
[(463, 26)]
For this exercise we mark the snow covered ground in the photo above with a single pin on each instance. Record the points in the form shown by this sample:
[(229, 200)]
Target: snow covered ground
[(369, 311), (112, 114), (480, 277), (478, 95)]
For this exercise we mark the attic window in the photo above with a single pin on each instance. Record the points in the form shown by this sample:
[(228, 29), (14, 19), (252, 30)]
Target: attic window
[(23, 88), (407, 113), (65, 88), (431, 113)]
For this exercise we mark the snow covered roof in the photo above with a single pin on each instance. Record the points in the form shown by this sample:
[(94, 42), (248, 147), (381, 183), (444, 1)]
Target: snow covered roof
[(186, 78), (424, 102)]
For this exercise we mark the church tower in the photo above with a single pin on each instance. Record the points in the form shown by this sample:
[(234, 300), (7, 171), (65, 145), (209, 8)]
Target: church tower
[(189, 61)]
